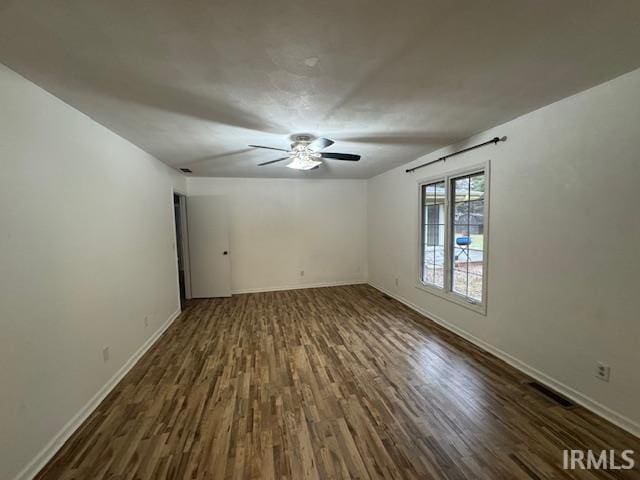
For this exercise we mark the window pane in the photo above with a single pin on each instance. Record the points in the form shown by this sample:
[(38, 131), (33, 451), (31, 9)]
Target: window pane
[(474, 286), (461, 231), (476, 216), (433, 267), (467, 249), (462, 245), (475, 256), (434, 235), (438, 280), (434, 214), (439, 255), (476, 207), (438, 260), (428, 274), (477, 187), (461, 213), (440, 193), (429, 254), (459, 282), (428, 194), (433, 217), (461, 189), (459, 256)]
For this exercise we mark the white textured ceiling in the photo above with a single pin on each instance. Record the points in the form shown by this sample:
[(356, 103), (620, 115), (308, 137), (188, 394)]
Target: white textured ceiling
[(194, 82)]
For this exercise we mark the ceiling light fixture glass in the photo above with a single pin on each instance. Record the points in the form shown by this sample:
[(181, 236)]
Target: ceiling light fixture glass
[(303, 163), (303, 158)]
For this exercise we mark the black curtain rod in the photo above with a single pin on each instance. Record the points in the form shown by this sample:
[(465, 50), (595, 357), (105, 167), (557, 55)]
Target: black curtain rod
[(494, 140)]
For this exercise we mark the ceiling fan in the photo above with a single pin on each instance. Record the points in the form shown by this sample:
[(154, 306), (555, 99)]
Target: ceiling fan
[(305, 153)]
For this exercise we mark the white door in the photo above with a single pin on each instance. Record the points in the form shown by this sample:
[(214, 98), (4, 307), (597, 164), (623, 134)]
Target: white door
[(209, 255)]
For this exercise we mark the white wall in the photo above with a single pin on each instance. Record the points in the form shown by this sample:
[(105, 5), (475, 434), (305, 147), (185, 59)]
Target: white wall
[(279, 227), (564, 270), (87, 250)]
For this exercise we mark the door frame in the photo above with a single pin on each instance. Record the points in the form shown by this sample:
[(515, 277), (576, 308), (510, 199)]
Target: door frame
[(184, 235)]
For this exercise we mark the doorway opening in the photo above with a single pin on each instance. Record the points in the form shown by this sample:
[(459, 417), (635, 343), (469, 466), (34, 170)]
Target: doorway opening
[(182, 247)]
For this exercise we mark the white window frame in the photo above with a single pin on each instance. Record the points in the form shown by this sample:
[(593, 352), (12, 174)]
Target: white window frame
[(447, 292)]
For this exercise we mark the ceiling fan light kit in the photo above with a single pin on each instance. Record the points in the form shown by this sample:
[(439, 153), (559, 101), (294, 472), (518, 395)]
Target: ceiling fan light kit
[(305, 154), (299, 163), (303, 158)]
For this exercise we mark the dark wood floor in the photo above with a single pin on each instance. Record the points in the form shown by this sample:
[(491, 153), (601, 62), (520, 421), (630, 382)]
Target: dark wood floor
[(325, 383)]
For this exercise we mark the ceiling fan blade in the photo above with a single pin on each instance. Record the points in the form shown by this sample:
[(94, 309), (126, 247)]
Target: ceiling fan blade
[(269, 148), (340, 156), (273, 161), (320, 144)]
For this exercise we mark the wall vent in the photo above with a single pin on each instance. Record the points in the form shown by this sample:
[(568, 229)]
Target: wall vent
[(550, 394), (186, 170)]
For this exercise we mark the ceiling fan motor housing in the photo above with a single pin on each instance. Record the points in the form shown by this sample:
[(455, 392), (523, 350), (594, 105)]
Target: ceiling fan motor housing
[(303, 138)]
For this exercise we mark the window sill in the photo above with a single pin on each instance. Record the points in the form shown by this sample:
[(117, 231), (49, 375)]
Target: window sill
[(480, 308)]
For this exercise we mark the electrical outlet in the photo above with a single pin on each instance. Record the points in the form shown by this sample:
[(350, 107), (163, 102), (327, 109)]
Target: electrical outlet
[(397, 281), (302, 273), (146, 320), (603, 372), (105, 354)]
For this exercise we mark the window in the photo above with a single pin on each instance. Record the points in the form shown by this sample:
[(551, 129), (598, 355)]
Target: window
[(453, 241)]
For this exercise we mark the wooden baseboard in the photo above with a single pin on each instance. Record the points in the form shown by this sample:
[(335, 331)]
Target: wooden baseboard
[(590, 404)]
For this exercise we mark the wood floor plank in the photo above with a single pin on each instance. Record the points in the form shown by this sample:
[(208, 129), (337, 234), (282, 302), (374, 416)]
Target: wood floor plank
[(326, 383)]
